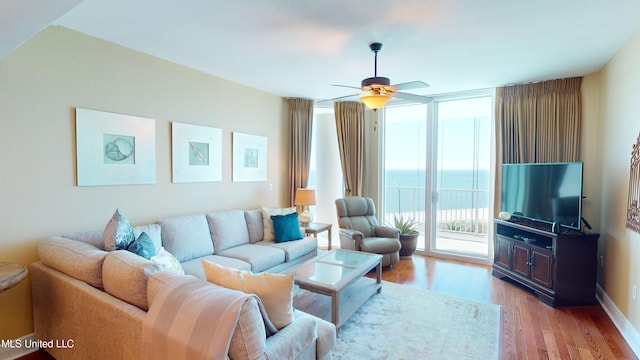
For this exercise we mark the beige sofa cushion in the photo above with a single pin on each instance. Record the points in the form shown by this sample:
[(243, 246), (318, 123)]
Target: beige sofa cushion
[(275, 290), (186, 237), (93, 237), (261, 258), (125, 276), (228, 229), (77, 259), (254, 225)]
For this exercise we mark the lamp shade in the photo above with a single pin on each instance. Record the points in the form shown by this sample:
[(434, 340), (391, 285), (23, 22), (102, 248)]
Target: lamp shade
[(375, 101), (305, 197)]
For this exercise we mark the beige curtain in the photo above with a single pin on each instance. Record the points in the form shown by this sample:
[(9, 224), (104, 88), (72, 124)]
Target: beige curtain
[(350, 128), (301, 124), (537, 123)]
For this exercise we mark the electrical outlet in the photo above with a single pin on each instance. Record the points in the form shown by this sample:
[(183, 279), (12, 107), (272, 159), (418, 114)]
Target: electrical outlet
[(634, 292), (601, 261)]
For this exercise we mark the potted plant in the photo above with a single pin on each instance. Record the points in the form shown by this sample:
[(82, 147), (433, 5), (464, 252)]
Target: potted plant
[(408, 234)]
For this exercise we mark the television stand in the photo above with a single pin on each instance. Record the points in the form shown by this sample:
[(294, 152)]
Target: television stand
[(560, 268)]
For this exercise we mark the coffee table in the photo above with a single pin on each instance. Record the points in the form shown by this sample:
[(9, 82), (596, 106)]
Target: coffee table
[(337, 273)]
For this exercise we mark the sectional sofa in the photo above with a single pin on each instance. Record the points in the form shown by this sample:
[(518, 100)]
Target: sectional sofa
[(99, 299)]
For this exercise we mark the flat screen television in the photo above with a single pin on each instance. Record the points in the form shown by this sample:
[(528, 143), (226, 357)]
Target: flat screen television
[(546, 192)]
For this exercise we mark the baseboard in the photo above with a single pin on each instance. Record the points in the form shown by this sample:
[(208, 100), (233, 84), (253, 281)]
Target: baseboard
[(629, 333), (15, 348)]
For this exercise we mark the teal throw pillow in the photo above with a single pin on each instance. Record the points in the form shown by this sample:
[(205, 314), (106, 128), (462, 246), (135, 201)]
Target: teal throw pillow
[(143, 246), (286, 227)]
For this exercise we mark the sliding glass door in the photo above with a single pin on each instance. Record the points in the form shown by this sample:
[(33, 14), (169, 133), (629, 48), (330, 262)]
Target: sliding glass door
[(460, 185), (405, 164), (437, 161)]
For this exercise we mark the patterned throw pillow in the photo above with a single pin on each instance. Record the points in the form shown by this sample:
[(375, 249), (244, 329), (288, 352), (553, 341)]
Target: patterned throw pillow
[(118, 234), (143, 246), (286, 227)]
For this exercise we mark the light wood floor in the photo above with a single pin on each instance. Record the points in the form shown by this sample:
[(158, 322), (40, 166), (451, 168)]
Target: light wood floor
[(530, 329)]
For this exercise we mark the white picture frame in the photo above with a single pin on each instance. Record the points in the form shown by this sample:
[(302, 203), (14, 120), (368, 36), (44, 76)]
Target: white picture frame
[(114, 149), (196, 153), (249, 157)]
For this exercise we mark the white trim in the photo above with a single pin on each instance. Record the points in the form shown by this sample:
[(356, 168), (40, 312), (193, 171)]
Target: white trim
[(18, 351), (629, 333)]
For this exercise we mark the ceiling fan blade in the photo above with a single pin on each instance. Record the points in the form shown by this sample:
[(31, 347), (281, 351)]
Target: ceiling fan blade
[(411, 97), (411, 85), (353, 96), (347, 86)]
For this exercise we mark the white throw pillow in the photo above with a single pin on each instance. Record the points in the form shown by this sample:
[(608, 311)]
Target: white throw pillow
[(167, 261), (274, 290), (267, 223)]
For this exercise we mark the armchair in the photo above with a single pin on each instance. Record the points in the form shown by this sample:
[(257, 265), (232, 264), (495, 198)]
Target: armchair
[(359, 230)]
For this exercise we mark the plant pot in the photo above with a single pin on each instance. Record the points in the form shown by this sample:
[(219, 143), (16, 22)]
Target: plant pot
[(408, 244)]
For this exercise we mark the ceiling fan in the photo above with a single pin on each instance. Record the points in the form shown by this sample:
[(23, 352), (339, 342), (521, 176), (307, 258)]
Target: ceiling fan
[(377, 90)]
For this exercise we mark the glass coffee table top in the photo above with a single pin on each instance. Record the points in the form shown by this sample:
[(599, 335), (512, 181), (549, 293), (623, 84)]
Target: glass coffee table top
[(331, 267)]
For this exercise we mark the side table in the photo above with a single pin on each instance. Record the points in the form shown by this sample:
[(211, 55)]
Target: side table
[(11, 275), (316, 228)]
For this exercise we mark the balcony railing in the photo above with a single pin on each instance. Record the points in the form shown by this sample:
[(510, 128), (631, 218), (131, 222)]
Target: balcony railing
[(458, 210)]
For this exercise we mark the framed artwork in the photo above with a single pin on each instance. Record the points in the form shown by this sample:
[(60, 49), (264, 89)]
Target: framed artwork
[(249, 157), (196, 153), (633, 203), (114, 149)]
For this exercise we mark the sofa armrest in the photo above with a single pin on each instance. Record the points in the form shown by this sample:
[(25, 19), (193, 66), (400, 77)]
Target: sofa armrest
[(326, 335), (388, 232), (350, 239), (292, 340)]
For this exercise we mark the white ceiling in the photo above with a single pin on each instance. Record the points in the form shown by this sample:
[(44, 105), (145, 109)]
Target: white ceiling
[(298, 48)]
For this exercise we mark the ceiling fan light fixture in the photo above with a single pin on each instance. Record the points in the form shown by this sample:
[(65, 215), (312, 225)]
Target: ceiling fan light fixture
[(376, 92), (375, 101), (377, 81)]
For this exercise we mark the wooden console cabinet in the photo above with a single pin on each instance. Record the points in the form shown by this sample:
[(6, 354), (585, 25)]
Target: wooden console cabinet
[(560, 268)]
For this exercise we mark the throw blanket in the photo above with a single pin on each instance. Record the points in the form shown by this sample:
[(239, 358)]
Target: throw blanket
[(191, 319)]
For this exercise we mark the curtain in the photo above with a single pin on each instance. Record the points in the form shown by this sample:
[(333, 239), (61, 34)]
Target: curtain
[(350, 128), (537, 123), (300, 124)]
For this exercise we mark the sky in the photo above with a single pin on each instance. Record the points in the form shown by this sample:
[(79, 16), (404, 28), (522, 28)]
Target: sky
[(406, 138)]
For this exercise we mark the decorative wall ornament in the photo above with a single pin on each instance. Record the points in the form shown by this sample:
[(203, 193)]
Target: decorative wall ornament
[(196, 153), (114, 149), (633, 206), (249, 157)]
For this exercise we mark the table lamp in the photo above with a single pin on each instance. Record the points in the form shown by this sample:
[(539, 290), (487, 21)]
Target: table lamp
[(304, 198)]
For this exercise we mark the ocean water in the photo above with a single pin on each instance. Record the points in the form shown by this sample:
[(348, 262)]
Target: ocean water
[(405, 189)]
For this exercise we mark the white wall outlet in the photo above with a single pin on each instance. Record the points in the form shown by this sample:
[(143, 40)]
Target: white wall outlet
[(634, 292), (270, 187)]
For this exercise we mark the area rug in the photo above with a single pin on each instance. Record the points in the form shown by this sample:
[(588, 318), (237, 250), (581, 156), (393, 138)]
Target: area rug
[(408, 323)]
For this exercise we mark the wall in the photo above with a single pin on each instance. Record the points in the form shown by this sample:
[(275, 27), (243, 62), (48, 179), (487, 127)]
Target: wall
[(42, 82), (589, 151), (619, 128)]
